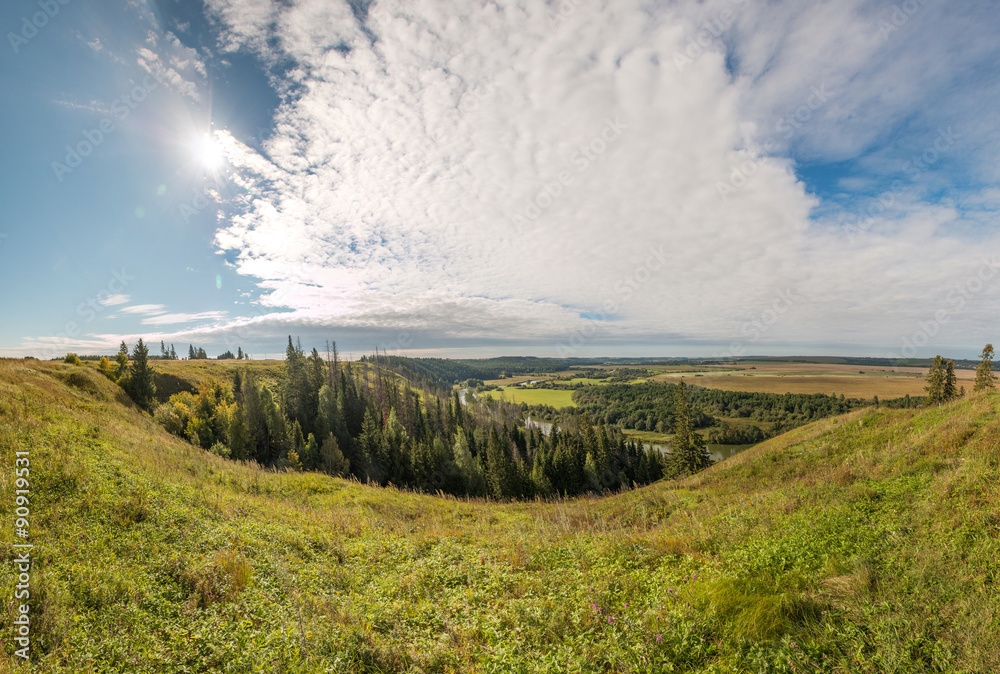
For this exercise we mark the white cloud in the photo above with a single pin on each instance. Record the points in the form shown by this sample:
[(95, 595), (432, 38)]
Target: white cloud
[(114, 300), (385, 198), (144, 309), (171, 319)]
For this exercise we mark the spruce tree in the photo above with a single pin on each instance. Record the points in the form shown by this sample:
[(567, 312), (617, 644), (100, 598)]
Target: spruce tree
[(950, 381), (191, 354), (468, 466), (141, 387), (985, 379), (332, 460), (687, 452), (173, 354), (936, 377)]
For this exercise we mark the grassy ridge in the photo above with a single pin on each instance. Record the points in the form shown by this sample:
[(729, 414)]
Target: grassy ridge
[(867, 542)]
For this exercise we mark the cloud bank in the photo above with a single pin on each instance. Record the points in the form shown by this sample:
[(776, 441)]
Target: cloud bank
[(589, 173)]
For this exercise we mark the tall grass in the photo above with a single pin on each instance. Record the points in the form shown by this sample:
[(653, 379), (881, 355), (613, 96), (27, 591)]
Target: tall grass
[(866, 542)]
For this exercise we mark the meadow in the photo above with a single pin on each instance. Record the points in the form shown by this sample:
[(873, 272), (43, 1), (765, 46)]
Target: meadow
[(866, 542), (557, 398)]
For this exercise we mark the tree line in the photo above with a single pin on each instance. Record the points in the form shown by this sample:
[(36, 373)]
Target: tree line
[(649, 406), (373, 421), (942, 382)]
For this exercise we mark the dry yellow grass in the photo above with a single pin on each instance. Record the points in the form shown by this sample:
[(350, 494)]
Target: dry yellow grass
[(852, 381)]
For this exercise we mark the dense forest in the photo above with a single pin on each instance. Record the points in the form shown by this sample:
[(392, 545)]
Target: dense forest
[(444, 372), (650, 406), (376, 422)]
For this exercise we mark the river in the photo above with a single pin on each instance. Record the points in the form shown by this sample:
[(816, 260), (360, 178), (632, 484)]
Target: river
[(718, 452)]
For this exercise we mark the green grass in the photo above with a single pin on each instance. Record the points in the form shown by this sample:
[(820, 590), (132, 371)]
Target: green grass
[(557, 398), (863, 543)]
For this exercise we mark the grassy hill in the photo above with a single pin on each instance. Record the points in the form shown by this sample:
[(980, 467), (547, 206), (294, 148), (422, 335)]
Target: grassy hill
[(866, 542)]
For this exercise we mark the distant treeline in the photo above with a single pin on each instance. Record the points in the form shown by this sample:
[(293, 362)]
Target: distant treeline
[(444, 372), (650, 407), (171, 354), (375, 422), (846, 360)]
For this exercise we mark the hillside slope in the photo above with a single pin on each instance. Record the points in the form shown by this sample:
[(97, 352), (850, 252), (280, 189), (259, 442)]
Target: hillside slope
[(866, 542)]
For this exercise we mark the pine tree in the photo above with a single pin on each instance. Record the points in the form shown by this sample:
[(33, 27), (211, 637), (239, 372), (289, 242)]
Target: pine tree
[(936, 377), (950, 381), (141, 388), (687, 452), (239, 353), (173, 354), (164, 354), (332, 460), (191, 354), (370, 447), (985, 378), (468, 466), (499, 467)]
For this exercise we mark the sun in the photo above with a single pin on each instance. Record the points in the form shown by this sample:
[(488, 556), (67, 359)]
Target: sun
[(208, 152)]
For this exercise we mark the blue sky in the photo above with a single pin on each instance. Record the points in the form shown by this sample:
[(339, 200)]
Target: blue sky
[(466, 178)]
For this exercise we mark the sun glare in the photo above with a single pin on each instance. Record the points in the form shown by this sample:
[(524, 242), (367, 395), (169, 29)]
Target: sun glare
[(208, 152)]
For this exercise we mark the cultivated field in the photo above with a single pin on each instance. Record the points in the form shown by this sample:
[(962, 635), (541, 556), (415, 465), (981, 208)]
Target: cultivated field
[(851, 381)]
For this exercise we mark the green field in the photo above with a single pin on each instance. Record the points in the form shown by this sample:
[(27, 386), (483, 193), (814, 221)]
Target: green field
[(862, 543), (541, 396), (587, 381)]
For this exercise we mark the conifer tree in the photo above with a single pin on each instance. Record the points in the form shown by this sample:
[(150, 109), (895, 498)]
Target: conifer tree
[(191, 354), (332, 460), (936, 376), (468, 466), (141, 388), (950, 381), (370, 447), (499, 467), (687, 452), (985, 378)]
